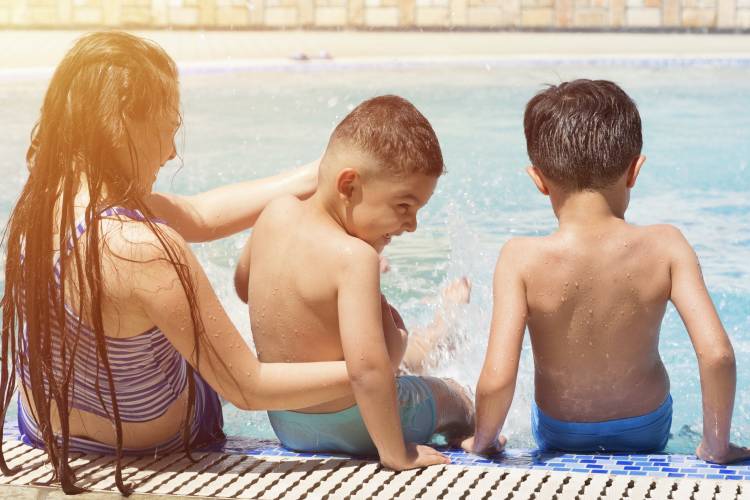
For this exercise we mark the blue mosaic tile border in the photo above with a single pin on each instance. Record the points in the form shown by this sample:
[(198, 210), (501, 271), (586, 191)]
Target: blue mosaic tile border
[(651, 465)]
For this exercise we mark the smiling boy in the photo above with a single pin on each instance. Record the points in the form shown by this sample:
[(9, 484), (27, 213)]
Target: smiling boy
[(314, 290)]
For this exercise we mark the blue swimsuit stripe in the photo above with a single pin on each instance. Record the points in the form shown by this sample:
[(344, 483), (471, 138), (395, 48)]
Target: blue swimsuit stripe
[(149, 374)]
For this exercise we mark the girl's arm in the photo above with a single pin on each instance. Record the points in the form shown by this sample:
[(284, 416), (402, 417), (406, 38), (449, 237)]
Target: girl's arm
[(229, 209), (224, 358)]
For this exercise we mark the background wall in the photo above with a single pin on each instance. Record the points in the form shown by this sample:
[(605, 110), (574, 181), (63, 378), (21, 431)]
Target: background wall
[(403, 14)]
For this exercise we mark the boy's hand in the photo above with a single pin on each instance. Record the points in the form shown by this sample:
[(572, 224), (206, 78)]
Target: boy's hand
[(492, 449), (391, 313), (385, 266), (418, 455), (733, 453), (395, 333)]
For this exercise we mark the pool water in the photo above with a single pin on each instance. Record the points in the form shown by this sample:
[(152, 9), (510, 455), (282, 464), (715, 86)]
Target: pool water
[(243, 125)]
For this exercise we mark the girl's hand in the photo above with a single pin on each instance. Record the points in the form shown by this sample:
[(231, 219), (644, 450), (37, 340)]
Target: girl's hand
[(308, 179)]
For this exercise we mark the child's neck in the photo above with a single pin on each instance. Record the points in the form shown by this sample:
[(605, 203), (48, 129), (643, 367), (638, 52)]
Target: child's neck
[(587, 209), (328, 207)]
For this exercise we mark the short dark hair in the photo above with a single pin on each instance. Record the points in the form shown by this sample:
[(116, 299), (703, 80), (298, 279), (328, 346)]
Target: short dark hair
[(582, 134), (393, 132)]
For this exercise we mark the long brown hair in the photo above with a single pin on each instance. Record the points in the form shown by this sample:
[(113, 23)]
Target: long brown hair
[(105, 78)]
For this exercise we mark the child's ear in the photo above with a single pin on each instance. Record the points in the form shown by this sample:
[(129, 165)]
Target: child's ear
[(538, 179), (346, 181), (634, 170)]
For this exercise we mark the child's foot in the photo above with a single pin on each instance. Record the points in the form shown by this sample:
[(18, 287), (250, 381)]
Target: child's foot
[(463, 424), (421, 351), (457, 291)]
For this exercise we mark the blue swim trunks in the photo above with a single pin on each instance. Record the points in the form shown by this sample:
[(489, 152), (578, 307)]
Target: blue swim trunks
[(345, 432), (644, 433)]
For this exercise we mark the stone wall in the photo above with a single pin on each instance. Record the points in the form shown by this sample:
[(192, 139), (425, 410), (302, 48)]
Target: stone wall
[(400, 14)]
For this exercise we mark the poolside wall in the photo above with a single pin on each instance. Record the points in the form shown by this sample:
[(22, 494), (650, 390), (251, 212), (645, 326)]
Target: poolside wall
[(388, 14)]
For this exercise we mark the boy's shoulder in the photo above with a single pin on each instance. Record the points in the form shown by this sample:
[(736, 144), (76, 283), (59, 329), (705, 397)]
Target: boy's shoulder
[(281, 206), (671, 242), (344, 248), (659, 230), (279, 214), (666, 237), (526, 246), (521, 251), (352, 251)]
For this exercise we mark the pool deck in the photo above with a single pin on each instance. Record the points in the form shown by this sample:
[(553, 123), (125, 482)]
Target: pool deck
[(267, 471)]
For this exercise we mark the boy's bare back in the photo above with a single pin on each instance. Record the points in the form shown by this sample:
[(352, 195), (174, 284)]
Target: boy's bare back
[(312, 276), (593, 295), (596, 297), (292, 288)]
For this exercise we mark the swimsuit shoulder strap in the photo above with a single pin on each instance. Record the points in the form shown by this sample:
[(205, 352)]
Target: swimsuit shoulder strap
[(81, 226)]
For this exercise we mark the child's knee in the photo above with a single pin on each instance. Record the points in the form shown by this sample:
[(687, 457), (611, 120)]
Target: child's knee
[(453, 404)]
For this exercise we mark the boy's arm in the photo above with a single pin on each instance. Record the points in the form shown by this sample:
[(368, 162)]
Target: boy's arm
[(497, 381), (368, 363), (716, 361), (395, 333), (229, 209)]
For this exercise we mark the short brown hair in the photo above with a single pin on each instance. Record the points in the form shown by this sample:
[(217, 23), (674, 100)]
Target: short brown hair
[(583, 134), (395, 133)]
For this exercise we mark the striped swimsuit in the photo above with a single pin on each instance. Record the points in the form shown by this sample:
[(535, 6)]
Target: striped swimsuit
[(149, 375)]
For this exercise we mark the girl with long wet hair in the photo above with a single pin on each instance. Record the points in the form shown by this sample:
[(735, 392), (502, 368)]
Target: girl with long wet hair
[(108, 320)]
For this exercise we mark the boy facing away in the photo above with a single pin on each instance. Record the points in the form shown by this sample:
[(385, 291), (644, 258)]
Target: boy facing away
[(593, 295), (314, 290)]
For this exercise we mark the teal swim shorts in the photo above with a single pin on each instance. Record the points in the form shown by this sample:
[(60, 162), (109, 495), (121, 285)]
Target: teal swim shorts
[(345, 432)]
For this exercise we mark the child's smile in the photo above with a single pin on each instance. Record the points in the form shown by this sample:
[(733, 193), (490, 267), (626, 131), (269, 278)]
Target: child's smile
[(388, 207)]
